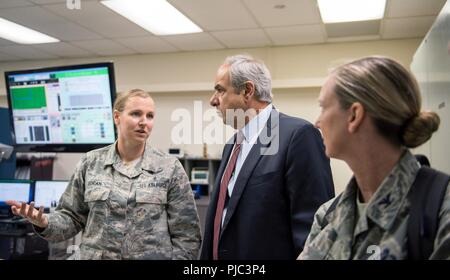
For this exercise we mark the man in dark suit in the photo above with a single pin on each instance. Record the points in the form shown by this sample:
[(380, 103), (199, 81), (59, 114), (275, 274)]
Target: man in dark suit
[(273, 176)]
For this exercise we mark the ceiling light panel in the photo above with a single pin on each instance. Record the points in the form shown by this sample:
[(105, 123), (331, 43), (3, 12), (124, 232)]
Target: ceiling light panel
[(156, 16), (23, 35), (333, 11)]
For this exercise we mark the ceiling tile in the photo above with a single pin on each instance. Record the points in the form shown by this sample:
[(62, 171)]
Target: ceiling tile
[(8, 57), (409, 8), (29, 16), (148, 44), (99, 19), (357, 28), (242, 38), (214, 15), (96, 30), (295, 12), (4, 42), (26, 52), (104, 47), (48, 23), (64, 50), (301, 34), (14, 3), (68, 31), (194, 42), (40, 2), (406, 27)]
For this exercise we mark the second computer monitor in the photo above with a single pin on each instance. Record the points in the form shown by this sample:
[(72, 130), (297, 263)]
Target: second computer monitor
[(48, 193), (18, 190)]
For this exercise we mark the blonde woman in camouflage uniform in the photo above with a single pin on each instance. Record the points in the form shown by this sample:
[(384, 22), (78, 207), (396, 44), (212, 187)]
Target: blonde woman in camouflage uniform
[(130, 200), (370, 117)]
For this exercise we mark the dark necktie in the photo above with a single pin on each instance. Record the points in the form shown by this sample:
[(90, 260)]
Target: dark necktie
[(223, 193)]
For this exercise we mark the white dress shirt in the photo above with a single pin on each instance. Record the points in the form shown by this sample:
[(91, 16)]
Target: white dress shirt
[(250, 132)]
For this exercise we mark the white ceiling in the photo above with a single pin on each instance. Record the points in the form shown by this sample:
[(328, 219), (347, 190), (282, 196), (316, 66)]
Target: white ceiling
[(95, 30)]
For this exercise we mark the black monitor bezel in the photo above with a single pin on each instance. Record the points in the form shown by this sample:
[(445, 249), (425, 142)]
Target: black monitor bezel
[(67, 147)]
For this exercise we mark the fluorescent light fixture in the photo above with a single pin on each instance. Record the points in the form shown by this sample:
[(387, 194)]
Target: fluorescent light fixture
[(156, 16), (21, 34), (333, 11)]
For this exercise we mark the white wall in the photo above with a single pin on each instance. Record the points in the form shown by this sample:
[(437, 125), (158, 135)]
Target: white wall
[(293, 66), (431, 65), (177, 80)]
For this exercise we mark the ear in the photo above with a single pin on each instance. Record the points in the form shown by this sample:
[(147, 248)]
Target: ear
[(116, 115), (249, 90), (356, 117)]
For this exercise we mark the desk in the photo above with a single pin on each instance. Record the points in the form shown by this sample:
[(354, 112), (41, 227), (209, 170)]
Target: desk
[(19, 241)]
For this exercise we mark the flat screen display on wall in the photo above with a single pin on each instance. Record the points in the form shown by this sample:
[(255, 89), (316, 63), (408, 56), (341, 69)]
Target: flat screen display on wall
[(62, 109)]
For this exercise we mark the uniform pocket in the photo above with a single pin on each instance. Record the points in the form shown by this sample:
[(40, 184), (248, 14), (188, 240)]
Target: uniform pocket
[(96, 194), (150, 211), (151, 195), (97, 200)]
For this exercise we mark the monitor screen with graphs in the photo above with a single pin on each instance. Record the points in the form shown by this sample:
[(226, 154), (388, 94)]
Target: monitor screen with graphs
[(62, 109)]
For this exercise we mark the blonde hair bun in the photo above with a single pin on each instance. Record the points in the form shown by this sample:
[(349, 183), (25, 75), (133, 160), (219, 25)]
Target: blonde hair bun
[(419, 129)]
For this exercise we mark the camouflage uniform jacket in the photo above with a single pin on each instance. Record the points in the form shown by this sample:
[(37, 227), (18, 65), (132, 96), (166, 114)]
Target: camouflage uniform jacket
[(144, 212), (380, 233)]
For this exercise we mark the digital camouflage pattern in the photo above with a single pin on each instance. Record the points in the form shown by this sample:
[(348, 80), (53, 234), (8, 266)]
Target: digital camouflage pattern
[(142, 212), (381, 233)]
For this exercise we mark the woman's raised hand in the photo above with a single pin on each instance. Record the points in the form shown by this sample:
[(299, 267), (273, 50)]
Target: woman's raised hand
[(36, 217)]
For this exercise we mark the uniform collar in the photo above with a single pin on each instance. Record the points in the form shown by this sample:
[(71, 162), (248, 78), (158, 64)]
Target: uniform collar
[(345, 207), (342, 221), (149, 160), (112, 156), (385, 204), (390, 197)]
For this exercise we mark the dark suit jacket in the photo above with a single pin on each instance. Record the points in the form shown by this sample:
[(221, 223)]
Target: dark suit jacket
[(271, 209)]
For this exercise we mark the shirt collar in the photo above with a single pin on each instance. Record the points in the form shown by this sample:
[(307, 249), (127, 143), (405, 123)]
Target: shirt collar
[(252, 129)]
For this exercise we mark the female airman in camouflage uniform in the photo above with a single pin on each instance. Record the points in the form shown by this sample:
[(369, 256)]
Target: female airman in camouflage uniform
[(370, 117), (130, 200)]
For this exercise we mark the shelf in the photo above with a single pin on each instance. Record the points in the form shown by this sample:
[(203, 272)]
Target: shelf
[(199, 158), (201, 184), (204, 189)]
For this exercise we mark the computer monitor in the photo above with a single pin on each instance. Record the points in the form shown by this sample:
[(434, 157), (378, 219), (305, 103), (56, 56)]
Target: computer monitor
[(48, 193), (62, 109), (18, 190)]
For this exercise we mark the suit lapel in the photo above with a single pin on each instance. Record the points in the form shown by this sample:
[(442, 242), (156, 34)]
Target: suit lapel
[(264, 140)]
